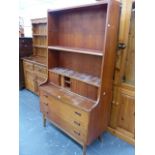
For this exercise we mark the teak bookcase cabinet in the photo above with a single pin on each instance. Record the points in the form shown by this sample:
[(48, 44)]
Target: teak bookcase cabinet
[(81, 55), (35, 66)]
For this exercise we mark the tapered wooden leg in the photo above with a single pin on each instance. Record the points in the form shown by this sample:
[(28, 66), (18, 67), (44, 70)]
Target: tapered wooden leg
[(84, 149), (44, 120), (100, 139)]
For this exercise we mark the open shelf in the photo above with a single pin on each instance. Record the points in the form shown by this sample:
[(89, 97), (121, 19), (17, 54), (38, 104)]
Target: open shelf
[(40, 46), (40, 35), (92, 80), (76, 50)]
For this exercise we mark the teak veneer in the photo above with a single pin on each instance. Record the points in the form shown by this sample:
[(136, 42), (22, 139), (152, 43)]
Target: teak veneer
[(82, 43)]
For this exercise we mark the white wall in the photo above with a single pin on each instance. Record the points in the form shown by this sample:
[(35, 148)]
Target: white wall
[(29, 9)]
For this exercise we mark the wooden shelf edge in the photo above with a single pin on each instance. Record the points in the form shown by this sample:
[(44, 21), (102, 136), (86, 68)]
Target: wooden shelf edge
[(39, 20), (40, 46), (40, 35), (76, 50)]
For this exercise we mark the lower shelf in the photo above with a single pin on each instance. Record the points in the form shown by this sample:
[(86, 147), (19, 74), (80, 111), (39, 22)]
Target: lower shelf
[(92, 80)]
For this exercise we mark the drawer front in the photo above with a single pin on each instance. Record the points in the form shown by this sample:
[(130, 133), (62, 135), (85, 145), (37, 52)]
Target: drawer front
[(40, 70), (28, 66), (64, 125), (76, 117)]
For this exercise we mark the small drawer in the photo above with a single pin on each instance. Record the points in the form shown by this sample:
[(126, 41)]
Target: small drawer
[(28, 66), (81, 135), (40, 69)]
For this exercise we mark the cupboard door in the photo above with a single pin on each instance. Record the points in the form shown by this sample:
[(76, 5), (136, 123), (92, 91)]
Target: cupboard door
[(28, 66), (126, 112), (30, 81)]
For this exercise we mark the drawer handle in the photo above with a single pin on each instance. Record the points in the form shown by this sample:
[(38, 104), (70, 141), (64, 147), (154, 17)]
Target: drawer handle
[(59, 97), (46, 103), (77, 113), (77, 123), (77, 133)]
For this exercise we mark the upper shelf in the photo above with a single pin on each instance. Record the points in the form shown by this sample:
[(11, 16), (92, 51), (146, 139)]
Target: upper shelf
[(40, 35), (76, 50), (39, 20), (40, 46)]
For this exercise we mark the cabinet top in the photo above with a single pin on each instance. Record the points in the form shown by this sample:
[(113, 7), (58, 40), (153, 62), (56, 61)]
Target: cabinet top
[(39, 20), (80, 6)]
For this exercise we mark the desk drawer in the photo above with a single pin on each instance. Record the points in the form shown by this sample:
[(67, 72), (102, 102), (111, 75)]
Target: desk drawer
[(65, 126), (76, 117)]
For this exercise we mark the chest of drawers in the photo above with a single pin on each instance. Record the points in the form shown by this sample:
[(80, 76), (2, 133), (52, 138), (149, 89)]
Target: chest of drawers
[(68, 111)]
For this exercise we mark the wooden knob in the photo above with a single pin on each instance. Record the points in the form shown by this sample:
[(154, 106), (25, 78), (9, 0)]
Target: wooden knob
[(104, 93), (77, 133), (59, 97), (77, 113), (113, 102), (77, 123)]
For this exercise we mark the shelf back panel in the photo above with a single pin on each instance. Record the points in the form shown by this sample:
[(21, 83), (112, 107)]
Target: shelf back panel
[(79, 28), (82, 63)]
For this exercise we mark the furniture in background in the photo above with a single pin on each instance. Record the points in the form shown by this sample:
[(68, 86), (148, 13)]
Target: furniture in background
[(122, 120), (35, 66), (25, 49), (82, 43)]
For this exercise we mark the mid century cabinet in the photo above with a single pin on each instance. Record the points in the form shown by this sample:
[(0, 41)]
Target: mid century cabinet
[(82, 45), (122, 120), (35, 66)]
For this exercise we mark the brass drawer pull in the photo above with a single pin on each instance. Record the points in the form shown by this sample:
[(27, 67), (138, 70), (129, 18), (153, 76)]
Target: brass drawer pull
[(46, 95), (77, 113), (77, 133), (77, 123), (59, 97), (46, 103)]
